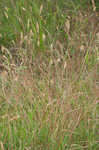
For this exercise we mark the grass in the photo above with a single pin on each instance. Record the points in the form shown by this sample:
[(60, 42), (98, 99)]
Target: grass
[(49, 80)]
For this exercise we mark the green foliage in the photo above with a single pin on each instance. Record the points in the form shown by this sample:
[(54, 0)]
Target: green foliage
[(48, 76)]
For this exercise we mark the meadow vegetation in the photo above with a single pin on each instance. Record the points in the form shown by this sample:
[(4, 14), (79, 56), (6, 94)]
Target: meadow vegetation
[(49, 75)]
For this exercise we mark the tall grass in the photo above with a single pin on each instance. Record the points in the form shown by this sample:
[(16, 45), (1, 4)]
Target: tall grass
[(49, 80)]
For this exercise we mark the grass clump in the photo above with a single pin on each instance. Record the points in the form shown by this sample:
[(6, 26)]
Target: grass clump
[(49, 76)]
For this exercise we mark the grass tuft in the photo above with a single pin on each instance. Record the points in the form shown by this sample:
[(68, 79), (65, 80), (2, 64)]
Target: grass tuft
[(49, 75)]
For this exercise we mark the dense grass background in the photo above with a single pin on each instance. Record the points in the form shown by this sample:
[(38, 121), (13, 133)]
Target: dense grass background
[(49, 75)]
